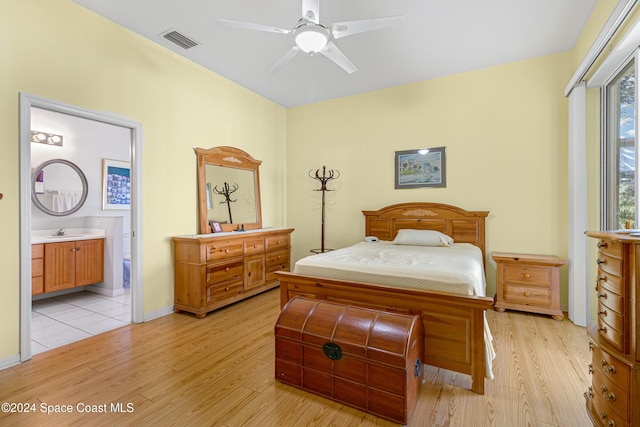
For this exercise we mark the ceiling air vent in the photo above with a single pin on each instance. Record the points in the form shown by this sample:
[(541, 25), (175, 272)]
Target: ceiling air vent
[(180, 39)]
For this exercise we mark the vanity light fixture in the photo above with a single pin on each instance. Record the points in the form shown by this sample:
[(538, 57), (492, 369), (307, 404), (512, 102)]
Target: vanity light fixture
[(46, 138)]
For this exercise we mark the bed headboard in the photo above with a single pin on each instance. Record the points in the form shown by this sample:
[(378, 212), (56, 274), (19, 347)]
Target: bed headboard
[(462, 225)]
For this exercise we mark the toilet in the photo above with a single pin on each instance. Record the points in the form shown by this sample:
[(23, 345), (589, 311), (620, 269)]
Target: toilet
[(126, 261)]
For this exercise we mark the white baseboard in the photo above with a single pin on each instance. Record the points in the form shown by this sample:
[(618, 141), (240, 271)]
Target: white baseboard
[(158, 313), (9, 361)]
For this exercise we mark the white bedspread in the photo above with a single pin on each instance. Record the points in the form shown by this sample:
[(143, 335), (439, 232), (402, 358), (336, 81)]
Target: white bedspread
[(457, 269)]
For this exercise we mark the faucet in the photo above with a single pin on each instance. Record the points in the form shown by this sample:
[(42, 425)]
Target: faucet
[(60, 232)]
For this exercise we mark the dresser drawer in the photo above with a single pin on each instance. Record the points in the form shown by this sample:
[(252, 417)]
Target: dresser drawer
[(278, 242), (605, 414), (614, 396), (611, 367), (610, 317), (610, 334), (254, 246), (278, 260), (528, 295), (608, 247), (223, 250), (610, 264), (228, 272), (527, 274), (611, 299), (221, 292), (610, 282)]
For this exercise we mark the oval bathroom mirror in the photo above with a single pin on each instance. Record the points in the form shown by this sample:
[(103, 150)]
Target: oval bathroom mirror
[(58, 187)]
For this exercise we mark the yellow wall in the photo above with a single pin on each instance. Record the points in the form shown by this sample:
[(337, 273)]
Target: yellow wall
[(504, 128), (55, 49), (505, 133)]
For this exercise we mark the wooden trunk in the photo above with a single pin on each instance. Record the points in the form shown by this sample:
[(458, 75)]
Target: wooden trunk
[(364, 358)]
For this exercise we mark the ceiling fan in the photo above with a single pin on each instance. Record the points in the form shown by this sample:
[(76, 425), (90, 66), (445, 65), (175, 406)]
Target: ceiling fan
[(311, 36)]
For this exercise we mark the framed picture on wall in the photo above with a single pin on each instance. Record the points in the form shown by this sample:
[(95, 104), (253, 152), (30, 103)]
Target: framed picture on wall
[(421, 168), (116, 184)]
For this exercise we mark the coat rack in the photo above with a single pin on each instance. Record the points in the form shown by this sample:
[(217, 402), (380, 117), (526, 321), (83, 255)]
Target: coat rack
[(327, 175), (226, 192)]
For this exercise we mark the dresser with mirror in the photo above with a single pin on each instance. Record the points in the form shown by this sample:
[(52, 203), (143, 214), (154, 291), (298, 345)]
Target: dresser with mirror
[(233, 257)]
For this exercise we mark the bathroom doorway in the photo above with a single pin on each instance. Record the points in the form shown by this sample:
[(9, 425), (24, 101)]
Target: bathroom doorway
[(98, 137)]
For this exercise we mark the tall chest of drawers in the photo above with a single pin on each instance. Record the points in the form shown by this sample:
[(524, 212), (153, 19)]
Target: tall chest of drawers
[(613, 399), (215, 270)]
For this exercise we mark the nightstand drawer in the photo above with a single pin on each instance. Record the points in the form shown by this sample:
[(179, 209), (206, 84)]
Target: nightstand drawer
[(527, 274), (528, 295)]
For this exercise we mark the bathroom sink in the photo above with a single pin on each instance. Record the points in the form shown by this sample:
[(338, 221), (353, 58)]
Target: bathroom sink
[(65, 236)]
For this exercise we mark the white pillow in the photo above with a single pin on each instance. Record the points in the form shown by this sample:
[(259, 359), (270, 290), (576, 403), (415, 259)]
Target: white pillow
[(422, 238)]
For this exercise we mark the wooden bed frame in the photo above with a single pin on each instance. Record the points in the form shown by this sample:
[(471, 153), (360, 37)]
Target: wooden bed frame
[(453, 324)]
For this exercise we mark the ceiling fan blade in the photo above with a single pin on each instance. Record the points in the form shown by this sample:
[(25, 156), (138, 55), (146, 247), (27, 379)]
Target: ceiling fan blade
[(284, 59), (311, 10), (251, 26), (348, 28), (332, 52)]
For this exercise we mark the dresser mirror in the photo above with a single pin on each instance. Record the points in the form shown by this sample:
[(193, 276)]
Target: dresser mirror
[(228, 189), (58, 187)]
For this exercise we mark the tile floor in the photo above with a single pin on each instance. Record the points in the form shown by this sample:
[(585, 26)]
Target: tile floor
[(63, 319)]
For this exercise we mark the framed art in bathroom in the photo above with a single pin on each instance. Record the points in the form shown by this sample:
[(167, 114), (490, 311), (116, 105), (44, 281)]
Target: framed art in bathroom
[(116, 184)]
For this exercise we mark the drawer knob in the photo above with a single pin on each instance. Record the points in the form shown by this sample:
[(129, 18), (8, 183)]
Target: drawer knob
[(226, 289), (226, 251), (526, 294), (600, 261), (590, 368), (527, 275), (602, 244), (611, 423), (611, 369), (604, 295), (603, 312), (603, 329), (226, 269), (611, 396)]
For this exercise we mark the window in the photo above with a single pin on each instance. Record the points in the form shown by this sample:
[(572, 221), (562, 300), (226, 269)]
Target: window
[(619, 151)]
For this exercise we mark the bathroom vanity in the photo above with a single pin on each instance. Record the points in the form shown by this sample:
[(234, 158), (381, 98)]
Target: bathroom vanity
[(66, 261)]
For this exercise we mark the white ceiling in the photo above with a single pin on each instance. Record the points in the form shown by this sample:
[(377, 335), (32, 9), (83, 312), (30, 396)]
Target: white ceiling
[(437, 38)]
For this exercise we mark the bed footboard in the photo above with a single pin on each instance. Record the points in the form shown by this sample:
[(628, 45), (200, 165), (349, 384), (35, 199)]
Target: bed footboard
[(453, 324)]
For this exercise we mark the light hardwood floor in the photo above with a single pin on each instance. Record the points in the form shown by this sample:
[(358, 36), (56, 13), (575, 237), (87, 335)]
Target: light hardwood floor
[(218, 371)]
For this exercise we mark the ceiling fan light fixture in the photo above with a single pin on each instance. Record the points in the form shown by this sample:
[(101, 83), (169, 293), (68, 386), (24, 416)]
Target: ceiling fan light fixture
[(311, 38)]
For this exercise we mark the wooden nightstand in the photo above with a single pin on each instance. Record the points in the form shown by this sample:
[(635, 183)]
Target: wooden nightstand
[(528, 283)]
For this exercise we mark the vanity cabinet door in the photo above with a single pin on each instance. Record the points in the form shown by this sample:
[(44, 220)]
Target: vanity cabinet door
[(59, 266), (71, 264), (89, 261)]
